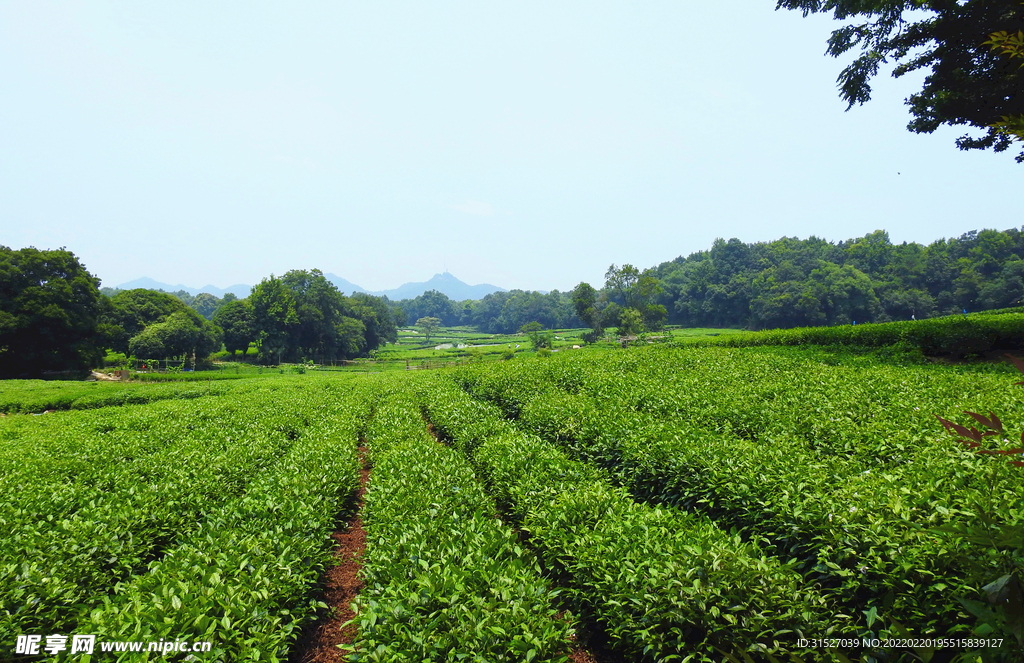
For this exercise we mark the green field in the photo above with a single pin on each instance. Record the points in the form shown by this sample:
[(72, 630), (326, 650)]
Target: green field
[(673, 501), (452, 346)]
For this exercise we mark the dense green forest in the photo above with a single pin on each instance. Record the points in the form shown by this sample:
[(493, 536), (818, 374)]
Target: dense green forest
[(784, 283), (53, 315), (497, 313), (297, 317), (791, 282)]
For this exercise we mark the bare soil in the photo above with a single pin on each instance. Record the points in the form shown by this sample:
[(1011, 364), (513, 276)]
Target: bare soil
[(319, 642), (586, 649)]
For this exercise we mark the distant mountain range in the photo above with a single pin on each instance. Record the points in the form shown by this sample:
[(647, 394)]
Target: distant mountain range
[(446, 283), (240, 290)]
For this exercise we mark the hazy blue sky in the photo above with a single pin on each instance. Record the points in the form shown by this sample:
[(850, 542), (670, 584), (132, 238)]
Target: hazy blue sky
[(526, 144)]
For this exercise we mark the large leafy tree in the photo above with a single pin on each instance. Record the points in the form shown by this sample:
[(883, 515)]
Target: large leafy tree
[(521, 307), (49, 310), (182, 334), (432, 304), (585, 303), (631, 288), (275, 317), (236, 320), (428, 326), (637, 292), (131, 311), (967, 47), (377, 318), (351, 337), (302, 315), (622, 282), (1011, 46), (205, 305), (1006, 290), (487, 311), (845, 294), (320, 307)]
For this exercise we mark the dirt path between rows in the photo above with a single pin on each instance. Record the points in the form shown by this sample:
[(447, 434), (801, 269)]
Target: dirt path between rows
[(319, 642)]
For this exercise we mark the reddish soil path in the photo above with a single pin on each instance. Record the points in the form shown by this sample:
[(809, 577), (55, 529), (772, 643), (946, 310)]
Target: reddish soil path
[(585, 648), (319, 642)]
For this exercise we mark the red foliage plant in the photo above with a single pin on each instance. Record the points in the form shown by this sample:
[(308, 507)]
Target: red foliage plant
[(974, 438)]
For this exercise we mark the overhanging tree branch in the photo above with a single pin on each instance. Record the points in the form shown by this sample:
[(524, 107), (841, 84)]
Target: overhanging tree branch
[(963, 46)]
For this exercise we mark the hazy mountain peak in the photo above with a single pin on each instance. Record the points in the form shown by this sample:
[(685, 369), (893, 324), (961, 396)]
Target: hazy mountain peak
[(444, 282)]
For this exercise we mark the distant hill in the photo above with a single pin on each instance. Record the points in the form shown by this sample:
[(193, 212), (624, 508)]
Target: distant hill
[(347, 287), (446, 283), (239, 289)]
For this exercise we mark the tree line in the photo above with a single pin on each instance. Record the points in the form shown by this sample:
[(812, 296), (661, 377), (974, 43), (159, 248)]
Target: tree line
[(794, 283), (788, 282), (203, 303), (53, 317), (496, 313), (300, 316)]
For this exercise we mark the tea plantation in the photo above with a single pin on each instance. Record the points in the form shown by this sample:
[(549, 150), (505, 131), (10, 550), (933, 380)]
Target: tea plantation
[(666, 503)]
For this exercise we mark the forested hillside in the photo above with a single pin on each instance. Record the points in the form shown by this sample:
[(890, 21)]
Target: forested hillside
[(791, 282), (788, 282)]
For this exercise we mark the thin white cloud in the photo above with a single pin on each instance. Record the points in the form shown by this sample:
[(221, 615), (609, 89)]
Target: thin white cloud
[(475, 207)]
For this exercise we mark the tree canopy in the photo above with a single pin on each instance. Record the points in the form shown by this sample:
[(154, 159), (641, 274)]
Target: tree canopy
[(585, 302), (967, 47), (628, 302), (791, 282), (49, 312), (131, 311), (374, 312), (539, 337), (182, 334), (497, 313), (205, 305), (302, 315), (53, 317), (236, 321), (428, 326)]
